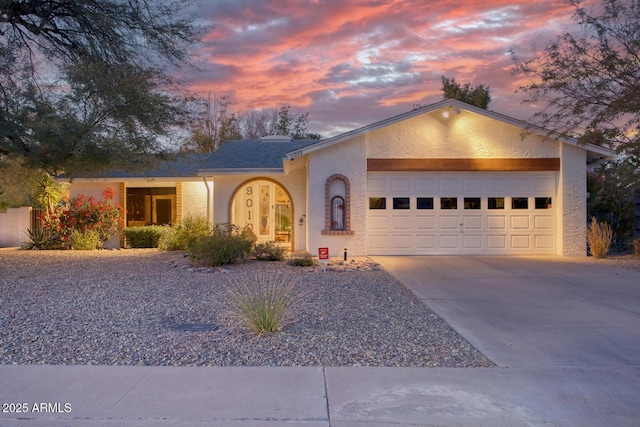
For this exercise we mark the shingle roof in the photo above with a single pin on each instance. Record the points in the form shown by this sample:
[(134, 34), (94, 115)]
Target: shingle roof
[(245, 154), (253, 154)]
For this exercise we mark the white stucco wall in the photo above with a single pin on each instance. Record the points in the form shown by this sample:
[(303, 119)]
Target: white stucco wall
[(572, 189), (468, 135), (13, 226), (194, 199), (349, 159)]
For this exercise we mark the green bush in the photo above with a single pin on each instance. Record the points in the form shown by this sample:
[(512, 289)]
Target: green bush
[(145, 236), (262, 303), (226, 244), (268, 251), (85, 240), (306, 261), (179, 238)]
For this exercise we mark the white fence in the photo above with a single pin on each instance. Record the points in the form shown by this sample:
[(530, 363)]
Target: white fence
[(13, 226)]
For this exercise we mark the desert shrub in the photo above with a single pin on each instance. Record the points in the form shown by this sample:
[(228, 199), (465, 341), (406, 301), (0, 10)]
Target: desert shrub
[(42, 239), (262, 303), (168, 241), (268, 251), (306, 261), (85, 240), (225, 245), (144, 237), (179, 238), (599, 237)]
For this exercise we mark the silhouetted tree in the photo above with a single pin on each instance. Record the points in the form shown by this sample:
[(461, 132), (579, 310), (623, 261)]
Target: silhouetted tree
[(83, 83), (590, 79)]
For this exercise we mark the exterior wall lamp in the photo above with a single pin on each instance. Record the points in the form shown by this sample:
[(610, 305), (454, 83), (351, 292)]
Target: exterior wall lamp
[(450, 112)]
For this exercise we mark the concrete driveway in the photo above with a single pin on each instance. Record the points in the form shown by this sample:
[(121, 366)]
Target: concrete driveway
[(532, 311)]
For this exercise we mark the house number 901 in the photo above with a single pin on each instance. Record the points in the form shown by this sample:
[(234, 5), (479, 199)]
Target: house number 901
[(249, 202)]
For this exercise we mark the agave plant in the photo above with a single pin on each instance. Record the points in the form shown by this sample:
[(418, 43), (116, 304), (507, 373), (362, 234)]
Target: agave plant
[(42, 238)]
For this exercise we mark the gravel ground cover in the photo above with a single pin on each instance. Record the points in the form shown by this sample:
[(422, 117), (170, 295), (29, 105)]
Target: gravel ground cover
[(123, 307)]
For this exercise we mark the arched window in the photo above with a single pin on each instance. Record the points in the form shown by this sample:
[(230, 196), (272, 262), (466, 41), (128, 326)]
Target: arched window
[(337, 206), (337, 213)]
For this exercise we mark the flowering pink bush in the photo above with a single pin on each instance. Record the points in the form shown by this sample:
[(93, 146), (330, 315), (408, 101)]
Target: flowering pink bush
[(84, 214)]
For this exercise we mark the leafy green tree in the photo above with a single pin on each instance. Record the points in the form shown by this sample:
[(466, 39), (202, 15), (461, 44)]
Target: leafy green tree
[(83, 83), (479, 96), (590, 79), (17, 184), (611, 194)]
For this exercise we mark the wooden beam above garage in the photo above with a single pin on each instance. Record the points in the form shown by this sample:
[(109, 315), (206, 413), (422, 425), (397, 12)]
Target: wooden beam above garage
[(443, 165)]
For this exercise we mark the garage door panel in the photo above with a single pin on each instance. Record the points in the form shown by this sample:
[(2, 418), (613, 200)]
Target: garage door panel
[(449, 222), (401, 241), (425, 222), (497, 241), (472, 241), (378, 223), (496, 222), (521, 241), (520, 222), (400, 184), (401, 222), (519, 186), (543, 222), (543, 241), (450, 241), (544, 185), (448, 186), (472, 222), (472, 186), (504, 229), (425, 241), (496, 186), (424, 185), (377, 185)]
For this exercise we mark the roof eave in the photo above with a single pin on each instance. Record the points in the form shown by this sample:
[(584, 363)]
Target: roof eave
[(241, 171), (436, 106), (129, 179)]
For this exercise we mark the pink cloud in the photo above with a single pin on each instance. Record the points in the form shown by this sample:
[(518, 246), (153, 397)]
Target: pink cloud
[(349, 61)]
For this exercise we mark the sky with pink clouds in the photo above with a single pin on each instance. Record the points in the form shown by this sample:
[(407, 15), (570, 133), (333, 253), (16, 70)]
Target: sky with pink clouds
[(350, 63)]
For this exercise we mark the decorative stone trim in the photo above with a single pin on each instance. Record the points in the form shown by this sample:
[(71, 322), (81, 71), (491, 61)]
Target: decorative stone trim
[(347, 207), (338, 232)]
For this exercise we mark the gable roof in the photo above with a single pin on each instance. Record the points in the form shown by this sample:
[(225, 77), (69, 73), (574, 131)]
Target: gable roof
[(594, 150)]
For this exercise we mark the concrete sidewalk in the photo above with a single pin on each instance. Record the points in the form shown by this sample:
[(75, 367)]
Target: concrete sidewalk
[(315, 396)]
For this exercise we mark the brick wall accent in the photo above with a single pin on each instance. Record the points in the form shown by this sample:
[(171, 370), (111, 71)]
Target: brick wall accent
[(122, 192), (347, 206), (178, 203)]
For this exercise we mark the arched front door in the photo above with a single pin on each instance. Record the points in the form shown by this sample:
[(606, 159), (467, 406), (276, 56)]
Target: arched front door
[(266, 207)]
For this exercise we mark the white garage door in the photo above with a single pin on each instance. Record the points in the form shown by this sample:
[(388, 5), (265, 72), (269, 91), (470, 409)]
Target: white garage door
[(424, 213)]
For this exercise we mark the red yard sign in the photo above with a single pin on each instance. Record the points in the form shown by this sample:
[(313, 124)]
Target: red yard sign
[(323, 253)]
